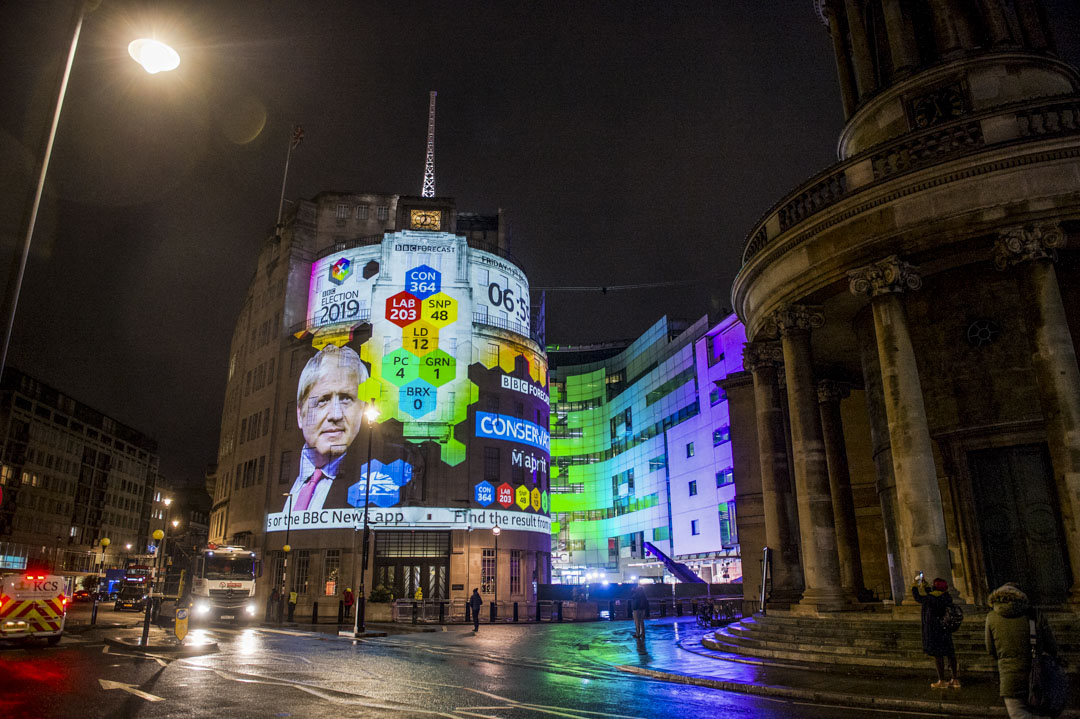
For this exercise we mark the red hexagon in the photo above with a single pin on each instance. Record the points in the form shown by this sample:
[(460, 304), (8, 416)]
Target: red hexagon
[(504, 495), (402, 309)]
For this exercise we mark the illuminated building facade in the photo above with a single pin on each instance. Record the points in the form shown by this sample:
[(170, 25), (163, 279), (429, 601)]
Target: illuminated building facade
[(641, 454), (405, 306), (70, 477)]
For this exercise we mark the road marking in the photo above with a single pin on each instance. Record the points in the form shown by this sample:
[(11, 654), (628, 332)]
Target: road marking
[(130, 689)]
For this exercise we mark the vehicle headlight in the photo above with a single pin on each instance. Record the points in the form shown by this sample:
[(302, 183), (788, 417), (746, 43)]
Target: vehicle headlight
[(250, 608), (202, 607)]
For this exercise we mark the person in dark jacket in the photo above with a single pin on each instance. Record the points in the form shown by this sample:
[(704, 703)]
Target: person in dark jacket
[(936, 642), (475, 602), (639, 603), (1008, 641)]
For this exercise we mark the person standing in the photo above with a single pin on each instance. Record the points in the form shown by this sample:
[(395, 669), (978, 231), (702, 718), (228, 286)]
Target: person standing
[(271, 605), (936, 640), (639, 603), (292, 604), (348, 601), (1008, 640), (475, 602)]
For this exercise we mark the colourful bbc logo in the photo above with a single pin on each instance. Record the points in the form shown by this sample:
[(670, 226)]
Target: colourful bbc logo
[(340, 271)]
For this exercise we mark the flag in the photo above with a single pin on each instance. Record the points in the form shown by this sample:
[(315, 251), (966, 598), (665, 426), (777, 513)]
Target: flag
[(297, 136)]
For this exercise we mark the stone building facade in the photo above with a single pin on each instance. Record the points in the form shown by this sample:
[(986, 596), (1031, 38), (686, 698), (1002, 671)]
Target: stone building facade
[(912, 397)]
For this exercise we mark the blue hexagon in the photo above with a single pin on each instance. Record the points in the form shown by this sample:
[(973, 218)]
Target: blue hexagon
[(423, 281), (386, 481), (418, 398), (399, 471), (484, 493)]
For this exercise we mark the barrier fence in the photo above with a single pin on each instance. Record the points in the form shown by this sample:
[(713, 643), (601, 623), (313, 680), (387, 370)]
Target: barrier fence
[(711, 610)]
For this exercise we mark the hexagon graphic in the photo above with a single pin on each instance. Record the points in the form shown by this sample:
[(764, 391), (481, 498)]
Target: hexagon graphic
[(402, 309), (505, 494), (386, 481), (418, 398), (420, 338), (438, 368), (522, 497), (484, 493), (544, 501), (534, 497), (440, 310), (400, 367), (423, 281), (340, 270), (370, 269)]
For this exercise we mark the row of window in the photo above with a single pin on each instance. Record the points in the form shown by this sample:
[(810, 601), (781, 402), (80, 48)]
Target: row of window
[(360, 212), (255, 426), (259, 377)]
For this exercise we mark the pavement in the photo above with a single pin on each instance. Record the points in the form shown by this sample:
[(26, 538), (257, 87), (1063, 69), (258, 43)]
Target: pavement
[(672, 651)]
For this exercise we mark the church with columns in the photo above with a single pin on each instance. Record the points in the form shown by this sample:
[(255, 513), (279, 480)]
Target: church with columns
[(911, 399)]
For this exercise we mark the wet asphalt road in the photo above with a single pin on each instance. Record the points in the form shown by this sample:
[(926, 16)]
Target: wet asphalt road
[(504, 672)]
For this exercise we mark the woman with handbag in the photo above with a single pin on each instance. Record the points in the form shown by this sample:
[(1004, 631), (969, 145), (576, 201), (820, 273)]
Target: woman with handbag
[(1008, 640), (936, 639)]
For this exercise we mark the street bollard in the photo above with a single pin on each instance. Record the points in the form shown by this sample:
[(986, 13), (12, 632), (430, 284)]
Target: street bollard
[(93, 613), (678, 609), (468, 612), (341, 611), (442, 612), (493, 613), (314, 612), (629, 610), (415, 611), (558, 608), (663, 608), (611, 609), (693, 607), (515, 611)]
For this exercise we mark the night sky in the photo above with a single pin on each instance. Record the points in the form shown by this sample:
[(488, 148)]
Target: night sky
[(627, 143)]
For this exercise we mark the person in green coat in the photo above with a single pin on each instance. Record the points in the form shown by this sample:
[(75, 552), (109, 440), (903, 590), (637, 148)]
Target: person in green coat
[(1008, 641)]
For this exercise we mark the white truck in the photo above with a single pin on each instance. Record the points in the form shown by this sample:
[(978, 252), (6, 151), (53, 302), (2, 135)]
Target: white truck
[(34, 604), (223, 585)]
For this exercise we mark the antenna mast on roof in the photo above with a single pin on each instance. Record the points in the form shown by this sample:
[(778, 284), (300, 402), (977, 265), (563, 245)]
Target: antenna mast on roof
[(429, 164)]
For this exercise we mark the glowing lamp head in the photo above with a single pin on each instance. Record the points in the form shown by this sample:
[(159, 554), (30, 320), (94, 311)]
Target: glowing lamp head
[(105, 542), (153, 55), (286, 548), (372, 413), (175, 523), (158, 534), (167, 501), (496, 530)]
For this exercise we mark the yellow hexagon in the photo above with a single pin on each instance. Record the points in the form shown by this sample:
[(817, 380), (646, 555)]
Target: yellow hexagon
[(535, 496), (440, 309), (420, 338), (521, 497)]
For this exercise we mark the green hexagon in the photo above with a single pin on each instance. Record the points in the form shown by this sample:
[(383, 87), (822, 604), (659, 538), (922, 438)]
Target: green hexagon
[(400, 367), (440, 309), (438, 368)]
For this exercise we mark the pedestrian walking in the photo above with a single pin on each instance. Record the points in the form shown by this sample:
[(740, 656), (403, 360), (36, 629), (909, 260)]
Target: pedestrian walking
[(936, 639), (292, 604), (1008, 641), (271, 605), (348, 600), (639, 603), (475, 602)]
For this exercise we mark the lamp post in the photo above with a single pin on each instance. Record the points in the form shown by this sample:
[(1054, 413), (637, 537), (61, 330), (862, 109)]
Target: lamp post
[(159, 536), (285, 562), (93, 610), (496, 531), (371, 413), (155, 57)]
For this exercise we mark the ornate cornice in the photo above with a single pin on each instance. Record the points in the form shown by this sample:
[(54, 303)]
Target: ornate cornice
[(794, 318), (1026, 244), (830, 390), (762, 355), (884, 277)]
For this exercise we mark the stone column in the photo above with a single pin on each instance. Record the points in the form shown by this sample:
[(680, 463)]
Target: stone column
[(905, 54), (817, 528), (848, 93), (762, 359), (997, 25), (1033, 251), (920, 517), (861, 58), (830, 393), (1035, 35), (945, 36)]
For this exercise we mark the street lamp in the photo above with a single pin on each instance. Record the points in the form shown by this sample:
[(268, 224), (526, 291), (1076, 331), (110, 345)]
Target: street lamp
[(93, 611), (285, 562), (496, 530), (148, 48), (159, 536), (371, 413)]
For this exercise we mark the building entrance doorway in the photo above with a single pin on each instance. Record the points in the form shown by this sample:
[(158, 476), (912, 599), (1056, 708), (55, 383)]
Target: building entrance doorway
[(1019, 522), (407, 560)]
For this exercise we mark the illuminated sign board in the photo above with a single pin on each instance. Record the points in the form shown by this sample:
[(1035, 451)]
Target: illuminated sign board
[(433, 334)]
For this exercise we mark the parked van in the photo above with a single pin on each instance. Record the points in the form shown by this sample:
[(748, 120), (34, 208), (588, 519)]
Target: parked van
[(34, 605)]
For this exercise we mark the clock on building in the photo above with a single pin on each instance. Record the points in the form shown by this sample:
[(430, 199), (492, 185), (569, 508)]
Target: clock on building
[(936, 107), (425, 219)]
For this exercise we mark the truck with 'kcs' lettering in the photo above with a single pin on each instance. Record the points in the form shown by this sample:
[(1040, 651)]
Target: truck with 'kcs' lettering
[(223, 587), (34, 604)]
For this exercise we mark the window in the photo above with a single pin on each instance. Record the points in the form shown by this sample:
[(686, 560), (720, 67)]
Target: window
[(515, 571), (694, 530), (689, 449), (342, 212), (361, 212), (383, 212), (725, 476), (487, 571), (300, 573), (285, 470), (277, 560), (332, 570), (491, 463), (721, 435), (729, 533), (693, 488)]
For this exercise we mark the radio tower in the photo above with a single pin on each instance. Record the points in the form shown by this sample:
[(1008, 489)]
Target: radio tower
[(429, 164)]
